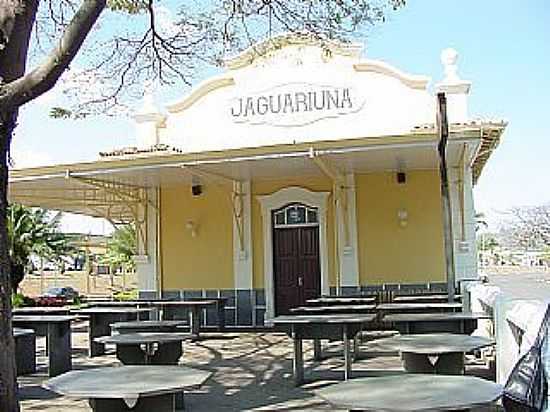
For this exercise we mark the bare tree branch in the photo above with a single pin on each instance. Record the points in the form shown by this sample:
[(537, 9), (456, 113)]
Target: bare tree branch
[(44, 77)]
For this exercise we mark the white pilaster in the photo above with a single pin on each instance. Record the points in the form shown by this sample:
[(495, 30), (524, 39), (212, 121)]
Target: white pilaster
[(146, 263), (242, 254), (463, 221), (347, 247)]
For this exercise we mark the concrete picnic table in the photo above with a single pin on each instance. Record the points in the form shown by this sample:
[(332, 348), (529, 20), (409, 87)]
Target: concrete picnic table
[(42, 310), (441, 353), (412, 392), (57, 330), (149, 349), (316, 327), (120, 304), (137, 326), (342, 300), (332, 309), (170, 311), (25, 351), (425, 298), (100, 320), (221, 301), (132, 388), (450, 322), (385, 308)]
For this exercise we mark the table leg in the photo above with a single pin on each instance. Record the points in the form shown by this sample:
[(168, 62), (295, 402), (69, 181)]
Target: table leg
[(468, 326), (317, 350), (59, 348), (450, 364), (446, 363), (298, 361), (159, 403), (220, 306), (417, 363), (130, 355), (168, 353), (25, 354), (195, 321), (347, 355), (98, 326), (356, 350)]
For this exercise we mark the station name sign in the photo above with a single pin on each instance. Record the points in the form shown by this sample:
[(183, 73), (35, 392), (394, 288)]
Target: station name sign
[(295, 104)]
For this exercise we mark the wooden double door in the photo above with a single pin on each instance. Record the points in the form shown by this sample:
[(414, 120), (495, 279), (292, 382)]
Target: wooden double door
[(297, 272)]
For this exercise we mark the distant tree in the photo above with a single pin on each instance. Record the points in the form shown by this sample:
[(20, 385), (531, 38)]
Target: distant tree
[(487, 243), (529, 227), (153, 46), (122, 248), (33, 231)]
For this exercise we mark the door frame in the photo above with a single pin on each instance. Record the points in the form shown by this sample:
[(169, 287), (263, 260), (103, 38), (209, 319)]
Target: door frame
[(274, 201)]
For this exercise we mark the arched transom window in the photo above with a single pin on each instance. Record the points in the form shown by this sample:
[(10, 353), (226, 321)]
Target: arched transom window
[(295, 215)]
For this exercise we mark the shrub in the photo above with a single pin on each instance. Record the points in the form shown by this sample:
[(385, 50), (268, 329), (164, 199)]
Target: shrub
[(18, 300), (126, 295)]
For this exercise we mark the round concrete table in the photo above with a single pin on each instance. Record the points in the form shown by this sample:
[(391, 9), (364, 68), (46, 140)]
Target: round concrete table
[(148, 326), (415, 392), (441, 353), (101, 319), (147, 348), (129, 388)]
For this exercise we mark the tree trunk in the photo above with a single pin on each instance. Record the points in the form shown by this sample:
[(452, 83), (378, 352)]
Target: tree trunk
[(8, 380), (17, 19)]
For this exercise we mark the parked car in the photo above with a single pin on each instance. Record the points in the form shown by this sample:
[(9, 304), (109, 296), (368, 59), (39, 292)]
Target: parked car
[(58, 296)]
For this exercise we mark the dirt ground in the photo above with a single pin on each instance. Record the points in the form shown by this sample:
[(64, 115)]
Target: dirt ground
[(35, 284), (250, 371)]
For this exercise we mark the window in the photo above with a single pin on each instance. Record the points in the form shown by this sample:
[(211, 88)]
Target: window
[(295, 215)]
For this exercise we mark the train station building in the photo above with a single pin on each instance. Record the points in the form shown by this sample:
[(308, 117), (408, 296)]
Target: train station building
[(302, 169)]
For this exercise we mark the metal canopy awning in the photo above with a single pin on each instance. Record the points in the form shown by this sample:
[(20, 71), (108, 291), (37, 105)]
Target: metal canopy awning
[(117, 188)]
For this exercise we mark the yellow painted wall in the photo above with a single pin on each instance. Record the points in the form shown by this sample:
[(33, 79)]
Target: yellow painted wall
[(204, 261), (315, 184), (389, 253)]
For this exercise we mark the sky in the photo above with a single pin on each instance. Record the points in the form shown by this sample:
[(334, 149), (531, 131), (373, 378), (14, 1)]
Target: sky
[(504, 50)]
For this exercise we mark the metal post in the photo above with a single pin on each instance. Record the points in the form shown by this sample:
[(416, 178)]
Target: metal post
[(443, 131)]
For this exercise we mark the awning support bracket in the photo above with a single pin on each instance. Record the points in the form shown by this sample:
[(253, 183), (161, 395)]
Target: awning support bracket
[(135, 200), (236, 195)]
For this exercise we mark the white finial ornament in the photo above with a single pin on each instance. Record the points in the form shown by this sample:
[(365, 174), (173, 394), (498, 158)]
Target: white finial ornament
[(454, 87), (148, 118), (449, 58)]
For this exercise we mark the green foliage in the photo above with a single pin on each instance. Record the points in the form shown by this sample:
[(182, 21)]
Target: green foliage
[(126, 295), (487, 242), (18, 300), (121, 248), (128, 6), (60, 113), (33, 231)]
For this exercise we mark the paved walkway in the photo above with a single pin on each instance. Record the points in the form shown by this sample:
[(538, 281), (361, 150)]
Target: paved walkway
[(525, 285), (251, 371)]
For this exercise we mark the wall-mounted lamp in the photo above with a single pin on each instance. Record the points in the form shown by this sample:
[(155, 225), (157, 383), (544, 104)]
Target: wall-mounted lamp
[(192, 227), (402, 217)]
